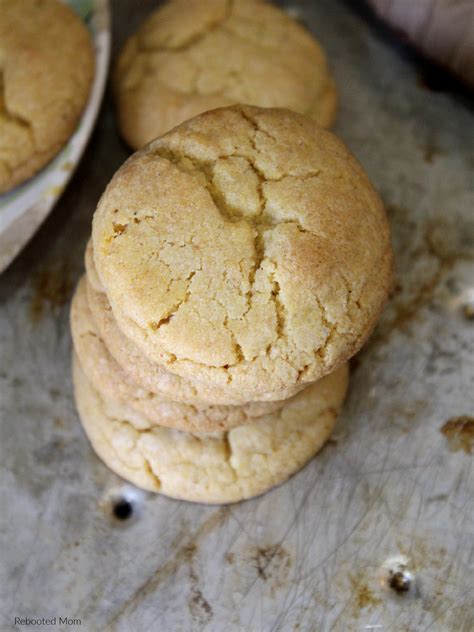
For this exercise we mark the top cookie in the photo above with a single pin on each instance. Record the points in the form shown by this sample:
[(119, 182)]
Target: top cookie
[(46, 69), (245, 248), (195, 55)]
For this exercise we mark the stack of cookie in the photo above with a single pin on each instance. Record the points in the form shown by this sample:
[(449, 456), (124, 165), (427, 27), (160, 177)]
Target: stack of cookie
[(236, 264)]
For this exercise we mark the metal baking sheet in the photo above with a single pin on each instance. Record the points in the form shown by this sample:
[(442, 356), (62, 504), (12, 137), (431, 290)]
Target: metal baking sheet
[(388, 501)]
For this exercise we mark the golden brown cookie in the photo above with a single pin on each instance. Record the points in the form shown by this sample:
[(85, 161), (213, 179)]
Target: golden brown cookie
[(215, 468), (155, 377), (246, 248), (112, 381), (195, 55), (46, 69)]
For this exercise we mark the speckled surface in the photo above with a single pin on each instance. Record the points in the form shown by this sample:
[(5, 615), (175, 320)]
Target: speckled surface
[(316, 553)]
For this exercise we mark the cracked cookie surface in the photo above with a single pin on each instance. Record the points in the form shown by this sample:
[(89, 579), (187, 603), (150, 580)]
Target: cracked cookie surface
[(246, 248), (195, 55), (221, 467), (46, 69), (111, 380), (151, 375)]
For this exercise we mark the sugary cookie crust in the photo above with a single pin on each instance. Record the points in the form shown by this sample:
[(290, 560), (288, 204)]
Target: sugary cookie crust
[(46, 69), (220, 467), (195, 55), (113, 382), (247, 248), (151, 375)]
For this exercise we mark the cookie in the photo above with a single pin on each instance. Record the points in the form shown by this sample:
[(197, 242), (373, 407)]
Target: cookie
[(195, 55), (216, 468), (112, 381), (46, 70), (91, 272), (155, 377), (245, 249)]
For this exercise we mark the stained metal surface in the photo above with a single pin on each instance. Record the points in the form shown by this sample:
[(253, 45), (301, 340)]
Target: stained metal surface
[(376, 533)]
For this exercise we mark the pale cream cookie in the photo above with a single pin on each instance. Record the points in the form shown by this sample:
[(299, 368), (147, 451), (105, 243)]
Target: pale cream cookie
[(91, 272), (46, 70), (153, 376), (112, 381), (222, 467), (195, 55), (245, 249)]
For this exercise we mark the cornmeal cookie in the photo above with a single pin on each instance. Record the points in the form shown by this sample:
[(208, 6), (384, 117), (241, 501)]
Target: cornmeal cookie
[(195, 55), (215, 468), (91, 272), (151, 375), (112, 381), (246, 248), (46, 69)]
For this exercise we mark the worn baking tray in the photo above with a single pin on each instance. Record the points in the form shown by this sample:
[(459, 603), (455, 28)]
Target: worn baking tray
[(376, 533)]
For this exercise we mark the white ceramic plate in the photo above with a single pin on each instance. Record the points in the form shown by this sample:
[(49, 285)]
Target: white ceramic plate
[(23, 209)]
